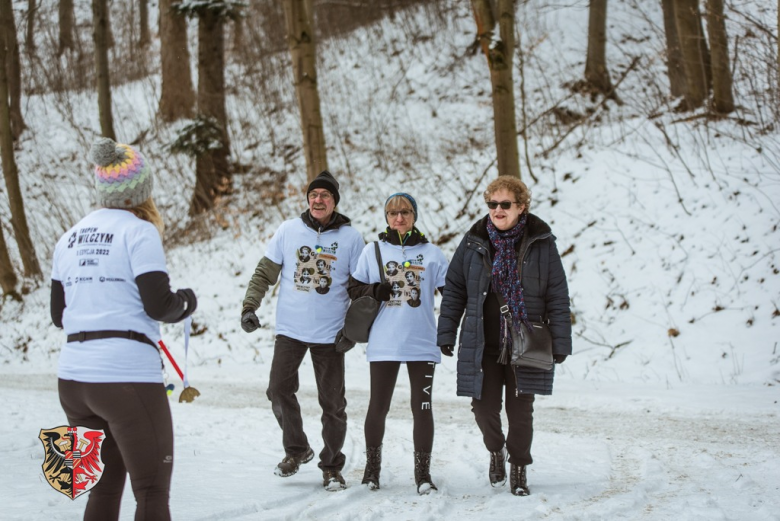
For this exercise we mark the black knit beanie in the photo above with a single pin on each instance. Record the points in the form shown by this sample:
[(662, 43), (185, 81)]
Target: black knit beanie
[(328, 182)]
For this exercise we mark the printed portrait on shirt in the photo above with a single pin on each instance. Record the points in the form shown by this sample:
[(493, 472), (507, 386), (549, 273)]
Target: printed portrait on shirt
[(323, 285), (391, 269), (314, 266), (405, 281), (414, 297)]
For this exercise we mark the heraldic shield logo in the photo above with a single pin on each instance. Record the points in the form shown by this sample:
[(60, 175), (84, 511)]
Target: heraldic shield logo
[(72, 463)]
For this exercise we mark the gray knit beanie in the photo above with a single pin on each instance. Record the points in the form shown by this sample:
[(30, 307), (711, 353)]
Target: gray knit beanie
[(123, 177)]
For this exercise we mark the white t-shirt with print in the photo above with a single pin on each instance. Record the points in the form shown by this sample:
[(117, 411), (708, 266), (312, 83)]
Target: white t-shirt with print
[(405, 328), (313, 297), (97, 262)]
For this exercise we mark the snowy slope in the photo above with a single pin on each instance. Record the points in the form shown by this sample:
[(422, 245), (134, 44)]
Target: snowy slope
[(666, 225)]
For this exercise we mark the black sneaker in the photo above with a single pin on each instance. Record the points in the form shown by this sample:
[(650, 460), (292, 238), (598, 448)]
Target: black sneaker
[(333, 481), (290, 464), (497, 472), (517, 480)]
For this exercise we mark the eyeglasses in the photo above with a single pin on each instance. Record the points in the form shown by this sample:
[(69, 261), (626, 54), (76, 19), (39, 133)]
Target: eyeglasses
[(505, 205), (403, 213), (325, 196)]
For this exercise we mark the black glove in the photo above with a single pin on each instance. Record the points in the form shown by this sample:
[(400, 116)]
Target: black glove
[(249, 321), (446, 350), (382, 291), (190, 301), (343, 344), (559, 358)]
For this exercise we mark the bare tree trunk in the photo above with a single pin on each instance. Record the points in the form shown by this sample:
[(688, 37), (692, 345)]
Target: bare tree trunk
[(238, 34), (29, 35), (688, 20), (143, 14), (499, 52), (67, 21), (299, 15), (178, 95), (674, 64), (596, 72), (8, 280), (18, 219), (100, 37), (212, 171), (705, 52), (722, 98), (13, 67)]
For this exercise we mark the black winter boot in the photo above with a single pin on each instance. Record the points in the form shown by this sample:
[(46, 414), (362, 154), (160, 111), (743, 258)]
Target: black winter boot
[(497, 472), (373, 466), (517, 481), (422, 473)]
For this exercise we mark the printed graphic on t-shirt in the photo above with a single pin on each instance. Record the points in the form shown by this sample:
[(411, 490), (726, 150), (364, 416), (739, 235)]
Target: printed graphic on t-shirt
[(313, 268), (405, 278), (91, 246)]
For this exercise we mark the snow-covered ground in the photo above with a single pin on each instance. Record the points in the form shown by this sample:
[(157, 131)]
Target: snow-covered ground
[(669, 407)]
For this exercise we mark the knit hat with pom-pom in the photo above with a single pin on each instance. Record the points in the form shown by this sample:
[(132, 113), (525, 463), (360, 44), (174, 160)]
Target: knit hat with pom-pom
[(123, 177)]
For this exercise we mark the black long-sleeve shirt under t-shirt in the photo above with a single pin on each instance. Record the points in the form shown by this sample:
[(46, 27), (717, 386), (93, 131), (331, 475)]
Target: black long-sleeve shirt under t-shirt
[(160, 303)]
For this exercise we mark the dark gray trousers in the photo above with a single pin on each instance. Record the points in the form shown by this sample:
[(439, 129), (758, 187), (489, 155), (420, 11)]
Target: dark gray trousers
[(283, 384), (499, 385)]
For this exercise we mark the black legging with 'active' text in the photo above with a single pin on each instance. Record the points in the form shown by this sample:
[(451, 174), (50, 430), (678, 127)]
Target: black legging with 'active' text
[(383, 378)]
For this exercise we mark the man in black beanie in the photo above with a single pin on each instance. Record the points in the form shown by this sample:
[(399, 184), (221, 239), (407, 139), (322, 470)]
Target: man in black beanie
[(320, 238), (328, 182)]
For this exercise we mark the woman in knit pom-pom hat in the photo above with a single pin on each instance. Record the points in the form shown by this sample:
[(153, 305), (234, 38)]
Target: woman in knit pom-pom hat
[(109, 291)]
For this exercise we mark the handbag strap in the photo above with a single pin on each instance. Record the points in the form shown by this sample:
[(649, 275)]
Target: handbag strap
[(504, 309), (379, 262)]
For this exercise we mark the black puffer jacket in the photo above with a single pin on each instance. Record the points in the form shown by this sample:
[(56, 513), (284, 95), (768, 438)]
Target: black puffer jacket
[(468, 282)]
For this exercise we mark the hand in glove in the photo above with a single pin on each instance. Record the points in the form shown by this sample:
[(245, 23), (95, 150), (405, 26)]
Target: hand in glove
[(343, 344), (446, 350), (382, 291), (559, 358), (249, 321), (190, 301)]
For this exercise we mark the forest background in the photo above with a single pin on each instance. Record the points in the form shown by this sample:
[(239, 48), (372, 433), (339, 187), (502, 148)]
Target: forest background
[(663, 200)]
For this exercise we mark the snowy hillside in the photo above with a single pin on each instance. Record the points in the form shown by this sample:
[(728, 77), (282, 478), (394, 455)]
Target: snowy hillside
[(668, 224)]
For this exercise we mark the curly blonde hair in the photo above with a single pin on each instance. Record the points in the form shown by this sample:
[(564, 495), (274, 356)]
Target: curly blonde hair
[(513, 185)]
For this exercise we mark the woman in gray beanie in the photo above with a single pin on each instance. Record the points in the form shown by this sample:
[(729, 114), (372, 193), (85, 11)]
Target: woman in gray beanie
[(109, 291)]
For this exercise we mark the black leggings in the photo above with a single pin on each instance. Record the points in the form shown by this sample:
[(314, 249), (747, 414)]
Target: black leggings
[(383, 378), (136, 418)]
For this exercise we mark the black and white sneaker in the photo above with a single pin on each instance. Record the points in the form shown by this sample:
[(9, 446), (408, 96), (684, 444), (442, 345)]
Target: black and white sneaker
[(290, 464)]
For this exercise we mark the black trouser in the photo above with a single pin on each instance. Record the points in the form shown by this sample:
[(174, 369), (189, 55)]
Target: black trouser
[(499, 380), (136, 418), (383, 378), (283, 384)]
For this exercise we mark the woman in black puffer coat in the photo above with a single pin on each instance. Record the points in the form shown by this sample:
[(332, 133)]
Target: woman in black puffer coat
[(511, 252)]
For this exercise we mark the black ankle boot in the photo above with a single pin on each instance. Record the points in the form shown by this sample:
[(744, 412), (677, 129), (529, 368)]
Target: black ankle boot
[(517, 481), (422, 473), (497, 472), (373, 466)]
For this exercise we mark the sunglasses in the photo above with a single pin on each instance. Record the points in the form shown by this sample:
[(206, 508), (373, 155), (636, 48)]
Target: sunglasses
[(505, 205)]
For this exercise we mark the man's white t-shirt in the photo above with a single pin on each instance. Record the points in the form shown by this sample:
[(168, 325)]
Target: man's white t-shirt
[(405, 328), (97, 262), (313, 297)]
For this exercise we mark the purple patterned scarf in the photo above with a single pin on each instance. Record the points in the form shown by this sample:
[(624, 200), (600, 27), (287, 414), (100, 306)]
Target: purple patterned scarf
[(506, 279)]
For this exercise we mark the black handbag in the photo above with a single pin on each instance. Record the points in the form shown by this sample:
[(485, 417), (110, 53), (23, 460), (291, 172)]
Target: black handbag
[(530, 347), (360, 316)]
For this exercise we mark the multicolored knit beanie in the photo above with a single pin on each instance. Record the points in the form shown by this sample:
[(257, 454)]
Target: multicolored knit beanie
[(123, 177)]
